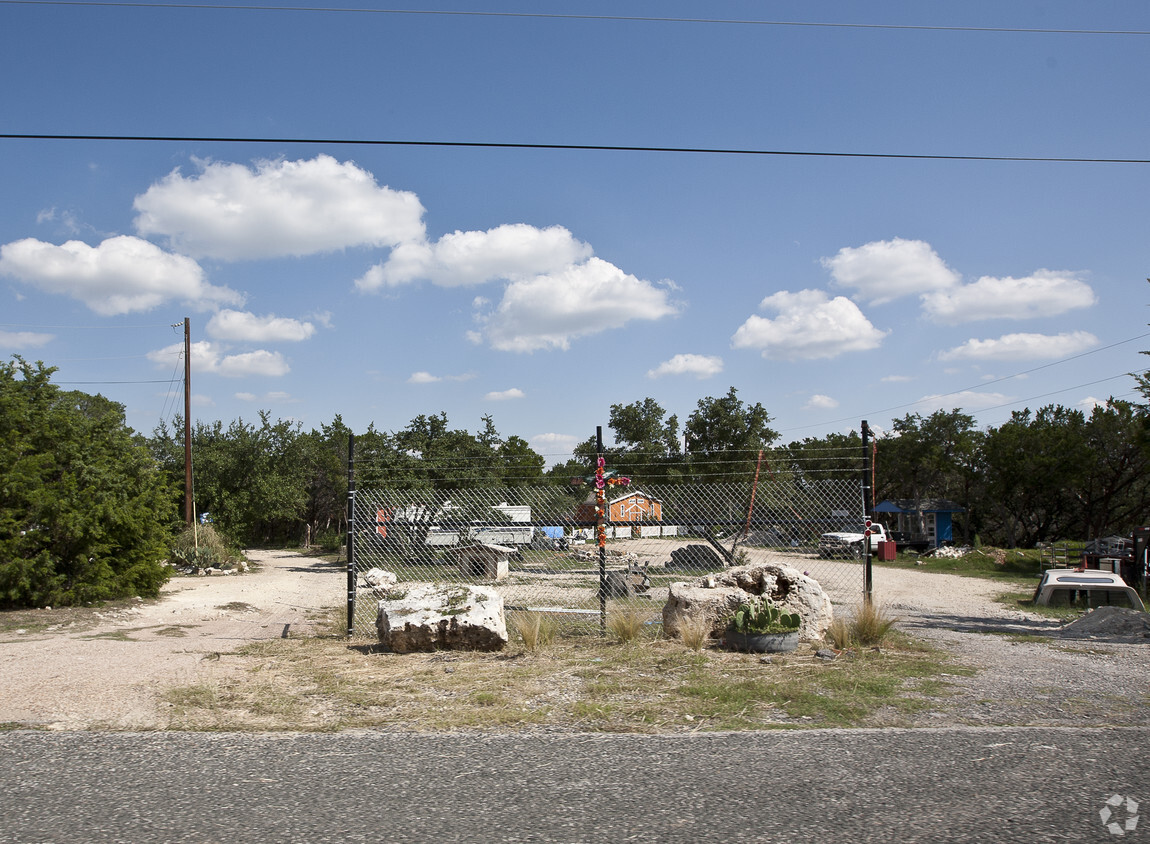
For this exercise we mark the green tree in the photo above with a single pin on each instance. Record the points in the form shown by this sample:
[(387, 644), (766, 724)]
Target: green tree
[(84, 510), (724, 437), (1035, 465), (647, 444), (252, 479), (936, 456)]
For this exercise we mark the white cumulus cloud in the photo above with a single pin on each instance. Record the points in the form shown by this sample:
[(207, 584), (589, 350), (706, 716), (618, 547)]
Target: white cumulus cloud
[(242, 326), (277, 208), (549, 311), (1043, 294), (808, 325), (1023, 347), (506, 252), (700, 366), (121, 275), (209, 357), (505, 395), (888, 269), (24, 339)]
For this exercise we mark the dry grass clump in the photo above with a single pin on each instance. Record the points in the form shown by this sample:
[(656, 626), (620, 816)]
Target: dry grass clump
[(694, 631), (871, 624), (626, 623), (535, 629), (867, 627)]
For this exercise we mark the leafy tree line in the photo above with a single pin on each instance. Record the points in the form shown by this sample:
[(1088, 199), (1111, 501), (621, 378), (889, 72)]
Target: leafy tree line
[(88, 509)]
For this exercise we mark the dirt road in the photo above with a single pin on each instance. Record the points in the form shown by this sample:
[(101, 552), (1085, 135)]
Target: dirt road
[(109, 671)]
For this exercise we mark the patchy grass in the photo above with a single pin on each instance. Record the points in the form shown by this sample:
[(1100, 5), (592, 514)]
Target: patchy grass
[(578, 683), (1017, 566)]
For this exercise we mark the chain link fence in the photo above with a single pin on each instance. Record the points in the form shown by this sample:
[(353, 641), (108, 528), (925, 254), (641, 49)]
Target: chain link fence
[(538, 545)]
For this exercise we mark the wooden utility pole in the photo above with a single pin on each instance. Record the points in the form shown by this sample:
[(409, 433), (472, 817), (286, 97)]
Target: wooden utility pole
[(189, 514)]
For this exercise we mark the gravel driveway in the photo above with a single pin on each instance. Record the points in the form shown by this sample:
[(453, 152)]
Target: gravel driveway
[(110, 671)]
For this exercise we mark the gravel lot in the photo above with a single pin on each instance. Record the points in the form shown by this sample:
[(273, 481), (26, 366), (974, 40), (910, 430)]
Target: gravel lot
[(107, 670)]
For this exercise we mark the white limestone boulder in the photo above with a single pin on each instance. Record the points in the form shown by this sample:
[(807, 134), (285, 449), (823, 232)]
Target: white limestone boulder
[(377, 578), (715, 597), (426, 617)]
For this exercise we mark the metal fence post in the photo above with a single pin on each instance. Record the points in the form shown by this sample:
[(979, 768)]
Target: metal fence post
[(600, 526), (868, 575), (350, 535)]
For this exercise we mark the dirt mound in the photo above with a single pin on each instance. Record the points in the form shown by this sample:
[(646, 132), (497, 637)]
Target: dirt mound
[(1110, 623)]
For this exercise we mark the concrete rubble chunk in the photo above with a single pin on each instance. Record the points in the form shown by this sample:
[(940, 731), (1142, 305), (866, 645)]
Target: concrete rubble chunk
[(427, 617), (715, 597)]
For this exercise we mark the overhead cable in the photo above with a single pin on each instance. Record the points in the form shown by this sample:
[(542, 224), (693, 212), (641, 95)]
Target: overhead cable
[(194, 139), (576, 17)]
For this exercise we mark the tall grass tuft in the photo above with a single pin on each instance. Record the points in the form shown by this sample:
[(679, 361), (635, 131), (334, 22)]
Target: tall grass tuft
[(871, 624), (694, 631), (839, 634), (867, 627), (626, 623), (535, 629)]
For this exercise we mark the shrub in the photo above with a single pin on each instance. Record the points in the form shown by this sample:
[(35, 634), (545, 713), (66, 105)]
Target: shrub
[(201, 547), (84, 508)]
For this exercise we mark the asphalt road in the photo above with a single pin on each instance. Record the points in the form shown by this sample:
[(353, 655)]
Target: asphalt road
[(1001, 785)]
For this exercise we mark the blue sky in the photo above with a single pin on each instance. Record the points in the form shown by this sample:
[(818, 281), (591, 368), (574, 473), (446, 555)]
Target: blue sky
[(541, 286)]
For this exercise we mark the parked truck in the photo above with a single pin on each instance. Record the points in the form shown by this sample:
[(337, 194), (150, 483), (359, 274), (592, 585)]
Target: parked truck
[(849, 543)]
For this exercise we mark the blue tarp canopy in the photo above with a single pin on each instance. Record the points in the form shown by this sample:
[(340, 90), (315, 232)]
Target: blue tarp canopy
[(927, 505)]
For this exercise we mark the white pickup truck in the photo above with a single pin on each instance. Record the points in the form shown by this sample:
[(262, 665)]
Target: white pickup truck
[(849, 543)]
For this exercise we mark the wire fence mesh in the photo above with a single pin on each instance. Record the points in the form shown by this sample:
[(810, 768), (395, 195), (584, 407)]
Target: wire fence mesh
[(538, 546)]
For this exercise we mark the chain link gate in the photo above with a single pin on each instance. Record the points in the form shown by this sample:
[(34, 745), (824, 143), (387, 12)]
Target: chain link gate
[(537, 546)]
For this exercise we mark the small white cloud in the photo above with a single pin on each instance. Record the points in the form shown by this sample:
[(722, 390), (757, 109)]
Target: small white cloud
[(1043, 294), (246, 396), (122, 275), (427, 378), (556, 448), (896, 379), (820, 402), (245, 327), (277, 208), (549, 311), (968, 400), (505, 395), (1088, 404), (808, 326), (700, 366), (1023, 347), (24, 339), (888, 269), (506, 252)]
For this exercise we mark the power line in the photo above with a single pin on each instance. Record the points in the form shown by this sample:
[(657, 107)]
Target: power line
[(193, 139), (984, 384), (104, 327), (561, 16), (156, 381)]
